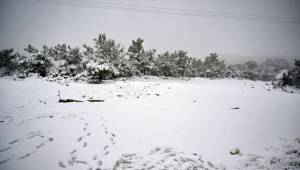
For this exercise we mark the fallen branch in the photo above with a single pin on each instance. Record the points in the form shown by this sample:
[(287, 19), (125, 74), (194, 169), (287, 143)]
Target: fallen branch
[(91, 100), (68, 100)]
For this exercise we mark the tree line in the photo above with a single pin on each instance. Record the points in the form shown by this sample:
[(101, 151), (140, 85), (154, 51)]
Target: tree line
[(107, 59)]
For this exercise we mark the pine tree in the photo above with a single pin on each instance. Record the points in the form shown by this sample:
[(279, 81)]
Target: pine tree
[(39, 63), (297, 73), (8, 61), (136, 54), (214, 67)]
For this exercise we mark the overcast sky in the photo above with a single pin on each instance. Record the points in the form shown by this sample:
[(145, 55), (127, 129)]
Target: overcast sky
[(22, 23)]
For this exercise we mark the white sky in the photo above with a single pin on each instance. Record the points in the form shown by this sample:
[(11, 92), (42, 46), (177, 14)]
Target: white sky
[(38, 24)]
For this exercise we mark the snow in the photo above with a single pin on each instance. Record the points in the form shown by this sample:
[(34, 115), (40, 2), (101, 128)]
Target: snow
[(97, 67), (148, 122)]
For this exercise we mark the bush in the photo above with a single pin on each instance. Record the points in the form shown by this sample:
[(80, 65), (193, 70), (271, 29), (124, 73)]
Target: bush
[(98, 72)]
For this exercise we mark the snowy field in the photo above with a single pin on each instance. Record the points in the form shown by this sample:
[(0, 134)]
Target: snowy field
[(148, 123)]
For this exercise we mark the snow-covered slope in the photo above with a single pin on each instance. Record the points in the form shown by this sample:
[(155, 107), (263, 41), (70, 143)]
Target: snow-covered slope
[(148, 124)]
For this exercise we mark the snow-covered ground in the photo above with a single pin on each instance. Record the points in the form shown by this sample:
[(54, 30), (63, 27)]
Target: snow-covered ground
[(148, 124)]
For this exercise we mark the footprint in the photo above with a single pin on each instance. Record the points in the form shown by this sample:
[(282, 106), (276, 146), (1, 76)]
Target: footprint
[(14, 141), (79, 139), (5, 160), (72, 161), (74, 151), (40, 145), (88, 134), (80, 162), (112, 134), (61, 164), (100, 163), (106, 153), (30, 137), (84, 129), (5, 149), (26, 155), (84, 144), (105, 147), (95, 157)]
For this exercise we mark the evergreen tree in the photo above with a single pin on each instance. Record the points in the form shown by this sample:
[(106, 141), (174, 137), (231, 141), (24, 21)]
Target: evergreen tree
[(39, 63), (136, 54), (107, 58), (196, 68), (297, 73), (6, 57), (214, 67)]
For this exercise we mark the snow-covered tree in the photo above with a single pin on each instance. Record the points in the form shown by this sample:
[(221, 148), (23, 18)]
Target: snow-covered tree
[(8, 61), (271, 67), (38, 62), (147, 62), (250, 70), (136, 54), (107, 49), (166, 64), (106, 60), (182, 62), (196, 68), (98, 72), (295, 73), (213, 66)]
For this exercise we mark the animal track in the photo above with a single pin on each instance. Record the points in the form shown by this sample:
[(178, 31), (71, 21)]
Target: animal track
[(79, 139), (162, 158), (40, 145), (83, 145), (73, 151), (61, 164), (14, 141), (72, 155), (5, 149), (100, 163), (26, 155), (5, 160), (81, 162)]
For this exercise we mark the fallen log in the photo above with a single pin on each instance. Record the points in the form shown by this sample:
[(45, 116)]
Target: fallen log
[(94, 100), (68, 100)]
